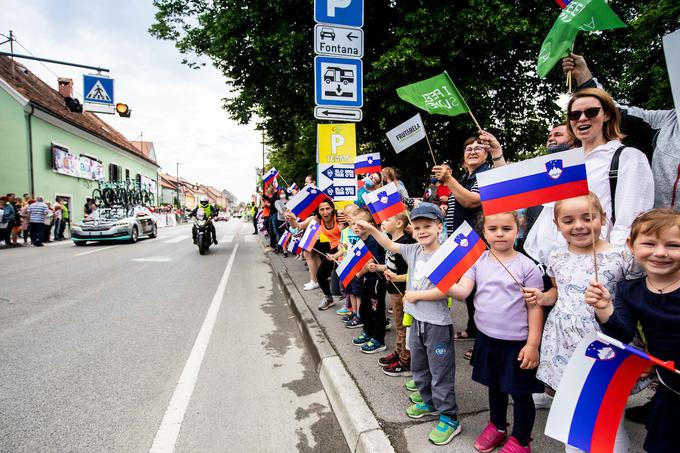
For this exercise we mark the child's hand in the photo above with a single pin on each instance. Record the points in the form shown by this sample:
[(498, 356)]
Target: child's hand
[(411, 296), (389, 275), (528, 356), (598, 296), (532, 296), (364, 225)]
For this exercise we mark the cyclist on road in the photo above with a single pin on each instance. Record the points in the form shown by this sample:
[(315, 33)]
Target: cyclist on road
[(209, 212)]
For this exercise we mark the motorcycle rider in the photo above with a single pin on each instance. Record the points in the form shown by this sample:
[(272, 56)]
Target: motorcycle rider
[(209, 212)]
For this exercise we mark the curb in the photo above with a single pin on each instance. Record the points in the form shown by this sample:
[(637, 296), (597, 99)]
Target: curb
[(361, 429)]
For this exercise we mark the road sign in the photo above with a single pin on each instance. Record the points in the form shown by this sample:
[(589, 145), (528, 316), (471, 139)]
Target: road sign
[(340, 12), (340, 41), (98, 89), (338, 81), (334, 113), (336, 144), (338, 181)]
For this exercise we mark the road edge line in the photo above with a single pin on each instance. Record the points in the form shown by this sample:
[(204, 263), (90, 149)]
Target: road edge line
[(169, 428)]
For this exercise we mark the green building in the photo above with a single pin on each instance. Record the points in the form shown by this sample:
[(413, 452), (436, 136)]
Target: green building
[(48, 150)]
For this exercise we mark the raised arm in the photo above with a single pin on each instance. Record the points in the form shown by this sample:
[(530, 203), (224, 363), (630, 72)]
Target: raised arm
[(383, 240)]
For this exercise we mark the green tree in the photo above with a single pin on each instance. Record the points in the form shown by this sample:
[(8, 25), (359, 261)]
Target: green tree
[(489, 47)]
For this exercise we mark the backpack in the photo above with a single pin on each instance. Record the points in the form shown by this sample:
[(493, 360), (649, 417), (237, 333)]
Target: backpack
[(613, 179)]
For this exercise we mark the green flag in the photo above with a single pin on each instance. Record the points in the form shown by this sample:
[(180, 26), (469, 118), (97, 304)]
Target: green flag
[(586, 15), (435, 95)]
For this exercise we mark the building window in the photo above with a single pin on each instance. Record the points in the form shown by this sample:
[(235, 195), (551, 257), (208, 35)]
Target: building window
[(113, 173), (127, 174)]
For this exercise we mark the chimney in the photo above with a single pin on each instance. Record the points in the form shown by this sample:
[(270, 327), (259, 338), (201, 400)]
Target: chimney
[(65, 87)]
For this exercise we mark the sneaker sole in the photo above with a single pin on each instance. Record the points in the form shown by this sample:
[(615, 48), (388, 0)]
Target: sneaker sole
[(489, 449), (411, 389), (414, 401), (426, 414), (358, 345), (398, 373), (373, 351), (357, 326), (327, 307)]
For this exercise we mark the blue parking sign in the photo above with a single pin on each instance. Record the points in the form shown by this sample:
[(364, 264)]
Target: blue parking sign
[(340, 12), (338, 81), (98, 89)]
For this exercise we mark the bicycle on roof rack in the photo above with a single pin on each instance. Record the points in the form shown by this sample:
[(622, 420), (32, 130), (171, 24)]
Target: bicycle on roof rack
[(121, 193)]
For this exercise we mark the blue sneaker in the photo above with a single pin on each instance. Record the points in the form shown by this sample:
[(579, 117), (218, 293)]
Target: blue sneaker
[(361, 340), (372, 347), (348, 317), (344, 311), (354, 323)]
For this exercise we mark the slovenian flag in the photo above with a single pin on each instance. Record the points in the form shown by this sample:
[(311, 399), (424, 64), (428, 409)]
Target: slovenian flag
[(306, 201), (367, 163), (283, 241), (294, 246), (311, 235), (455, 256), (355, 259), (563, 3), (593, 392), (270, 176), (293, 186), (533, 181), (384, 202)]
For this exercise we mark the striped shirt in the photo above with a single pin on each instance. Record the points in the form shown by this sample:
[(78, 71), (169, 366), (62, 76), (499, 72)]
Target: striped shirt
[(37, 211), (456, 214)]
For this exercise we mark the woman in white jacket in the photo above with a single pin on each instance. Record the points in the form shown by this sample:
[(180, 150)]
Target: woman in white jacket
[(594, 125)]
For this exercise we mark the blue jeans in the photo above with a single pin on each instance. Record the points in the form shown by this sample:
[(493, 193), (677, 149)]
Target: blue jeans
[(57, 226), (36, 229)]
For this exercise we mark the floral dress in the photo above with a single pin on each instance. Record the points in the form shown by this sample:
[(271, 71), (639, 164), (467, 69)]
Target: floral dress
[(571, 318)]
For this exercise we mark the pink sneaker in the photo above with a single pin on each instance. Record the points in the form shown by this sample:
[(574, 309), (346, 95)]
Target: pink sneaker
[(489, 439), (512, 446)]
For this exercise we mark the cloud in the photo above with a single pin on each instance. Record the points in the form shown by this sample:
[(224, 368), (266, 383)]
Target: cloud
[(176, 107)]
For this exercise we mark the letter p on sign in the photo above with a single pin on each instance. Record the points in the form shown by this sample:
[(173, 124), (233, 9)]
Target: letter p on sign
[(333, 4), (336, 141)]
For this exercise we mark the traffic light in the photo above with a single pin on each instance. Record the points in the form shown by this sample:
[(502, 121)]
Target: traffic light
[(123, 110)]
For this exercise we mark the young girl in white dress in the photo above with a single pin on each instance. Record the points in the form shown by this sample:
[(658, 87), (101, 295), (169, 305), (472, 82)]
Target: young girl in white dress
[(571, 269)]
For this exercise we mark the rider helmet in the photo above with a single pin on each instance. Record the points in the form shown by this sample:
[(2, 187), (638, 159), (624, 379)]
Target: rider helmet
[(204, 201)]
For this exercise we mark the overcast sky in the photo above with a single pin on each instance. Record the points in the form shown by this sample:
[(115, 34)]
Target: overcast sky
[(175, 107)]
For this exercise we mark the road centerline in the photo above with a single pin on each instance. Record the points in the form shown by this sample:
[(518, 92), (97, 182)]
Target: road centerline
[(168, 431)]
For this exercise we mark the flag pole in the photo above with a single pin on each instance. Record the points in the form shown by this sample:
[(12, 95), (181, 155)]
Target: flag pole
[(430, 148), (506, 269), (284, 180), (569, 75), (384, 279), (592, 233), (475, 120)]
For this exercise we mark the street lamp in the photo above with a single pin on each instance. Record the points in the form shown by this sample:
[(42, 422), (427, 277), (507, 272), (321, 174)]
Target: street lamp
[(260, 127), (179, 203)]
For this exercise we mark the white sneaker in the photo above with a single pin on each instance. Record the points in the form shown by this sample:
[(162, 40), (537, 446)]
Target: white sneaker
[(310, 286), (542, 400)]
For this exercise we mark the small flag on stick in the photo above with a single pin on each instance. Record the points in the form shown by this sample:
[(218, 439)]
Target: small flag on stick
[(311, 235), (455, 256), (306, 201), (384, 202), (356, 258), (365, 164), (407, 133)]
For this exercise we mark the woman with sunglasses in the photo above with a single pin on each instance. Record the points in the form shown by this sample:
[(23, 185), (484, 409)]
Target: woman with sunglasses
[(594, 126)]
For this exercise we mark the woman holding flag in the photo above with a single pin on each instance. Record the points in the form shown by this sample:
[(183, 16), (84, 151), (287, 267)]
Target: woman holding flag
[(594, 126)]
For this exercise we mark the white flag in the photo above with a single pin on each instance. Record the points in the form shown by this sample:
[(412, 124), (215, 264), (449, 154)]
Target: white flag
[(671, 47), (407, 133)]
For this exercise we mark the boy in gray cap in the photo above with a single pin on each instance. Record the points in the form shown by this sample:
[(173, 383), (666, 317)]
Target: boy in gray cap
[(431, 334)]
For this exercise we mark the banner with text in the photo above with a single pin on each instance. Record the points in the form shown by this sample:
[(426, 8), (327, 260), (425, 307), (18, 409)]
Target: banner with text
[(407, 133)]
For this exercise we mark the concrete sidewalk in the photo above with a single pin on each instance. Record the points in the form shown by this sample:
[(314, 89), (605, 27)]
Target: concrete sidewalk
[(386, 396)]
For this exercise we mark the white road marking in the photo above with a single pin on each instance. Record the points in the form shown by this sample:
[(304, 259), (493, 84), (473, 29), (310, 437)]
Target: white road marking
[(227, 239), (153, 259), (166, 437), (176, 240), (97, 250), (56, 243)]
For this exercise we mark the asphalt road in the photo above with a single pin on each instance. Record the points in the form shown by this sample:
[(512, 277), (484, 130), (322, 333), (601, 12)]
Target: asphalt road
[(150, 347)]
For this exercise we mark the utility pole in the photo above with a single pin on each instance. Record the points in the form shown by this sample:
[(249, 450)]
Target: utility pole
[(179, 202)]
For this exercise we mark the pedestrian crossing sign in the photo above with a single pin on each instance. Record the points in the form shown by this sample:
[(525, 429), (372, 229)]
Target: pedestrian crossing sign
[(98, 89)]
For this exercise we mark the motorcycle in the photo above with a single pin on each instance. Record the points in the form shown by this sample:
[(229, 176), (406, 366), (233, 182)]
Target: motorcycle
[(203, 238)]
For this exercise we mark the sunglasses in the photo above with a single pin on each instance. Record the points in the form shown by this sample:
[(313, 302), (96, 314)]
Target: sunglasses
[(476, 149), (590, 113)]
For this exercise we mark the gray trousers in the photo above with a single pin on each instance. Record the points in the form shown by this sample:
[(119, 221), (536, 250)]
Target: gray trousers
[(433, 365)]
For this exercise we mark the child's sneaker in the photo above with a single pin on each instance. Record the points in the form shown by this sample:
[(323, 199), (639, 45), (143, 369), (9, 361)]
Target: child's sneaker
[(326, 304), (415, 397), (420, 410), (354, 323), (411, 385), (397, 369), (513, 446), (361, 340), (446, 429), (348, 317), (490, 438), (344, 311), (542, 400), (388, 359), (373, 346)]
